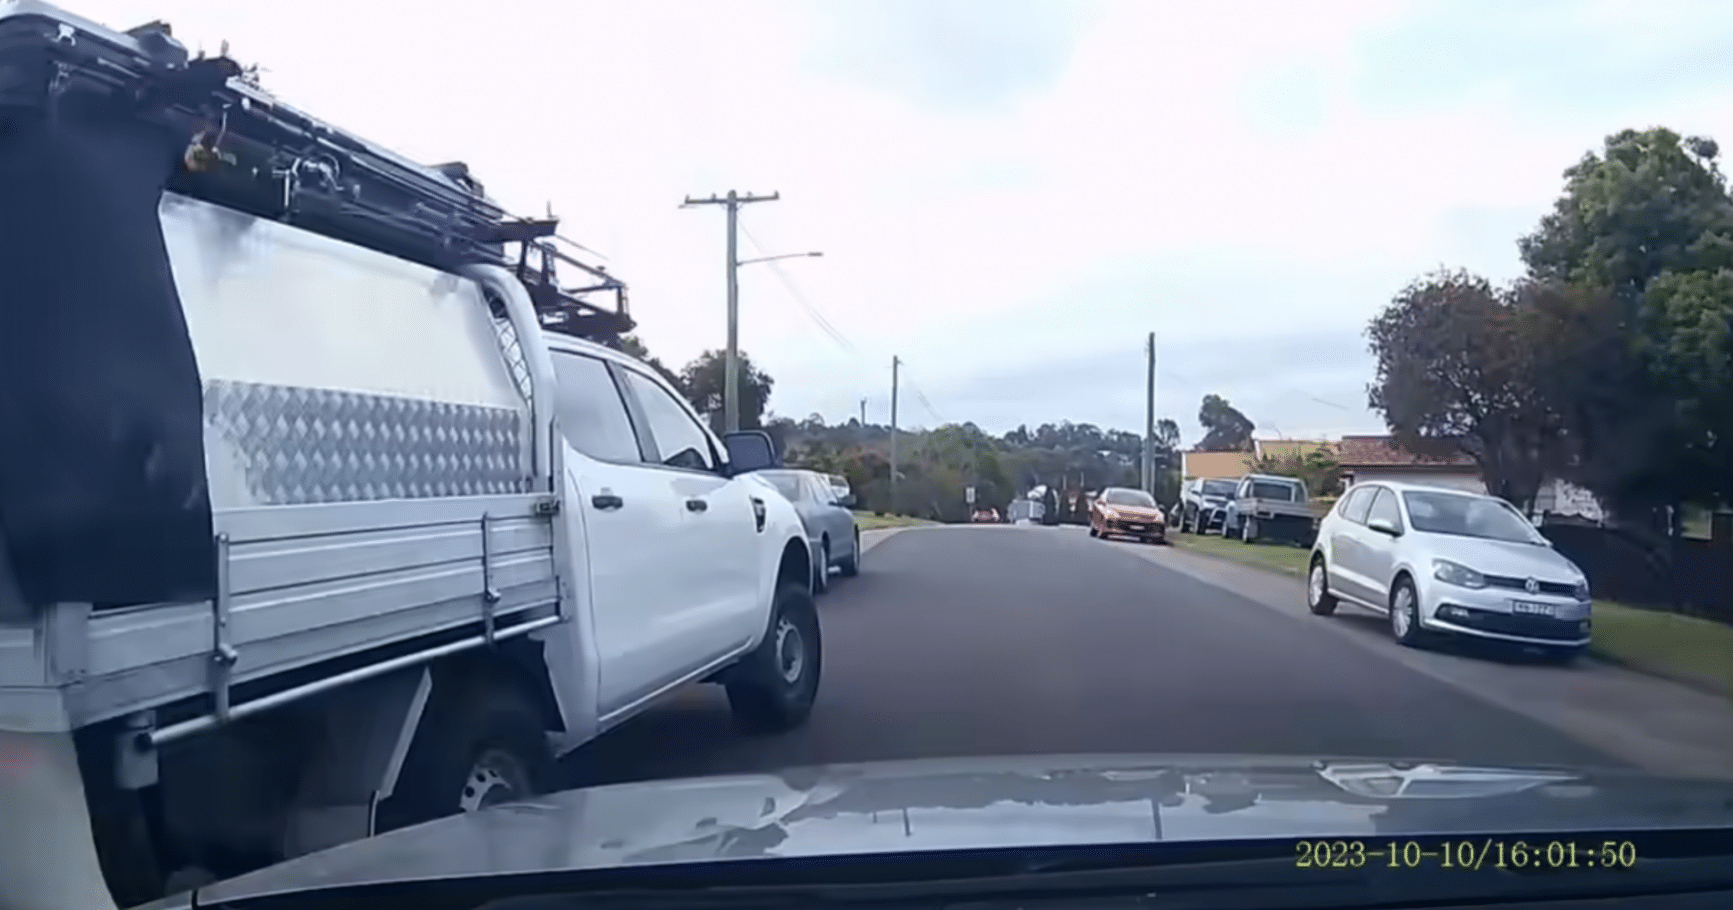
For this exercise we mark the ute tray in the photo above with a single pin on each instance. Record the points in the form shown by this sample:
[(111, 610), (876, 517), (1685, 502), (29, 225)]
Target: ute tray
[(248, 151)]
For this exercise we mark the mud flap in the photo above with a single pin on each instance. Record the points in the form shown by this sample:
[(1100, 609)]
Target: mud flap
[(103, 495)]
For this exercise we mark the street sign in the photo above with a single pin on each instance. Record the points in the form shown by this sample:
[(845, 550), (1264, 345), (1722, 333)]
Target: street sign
[(969, 495)]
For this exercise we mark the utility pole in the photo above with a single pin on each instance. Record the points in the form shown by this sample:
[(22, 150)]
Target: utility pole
[(895, 363), (731, 354), (1149, 419)]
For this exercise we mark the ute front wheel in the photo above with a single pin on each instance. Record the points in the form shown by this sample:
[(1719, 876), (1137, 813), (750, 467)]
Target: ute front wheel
[(773, 687)]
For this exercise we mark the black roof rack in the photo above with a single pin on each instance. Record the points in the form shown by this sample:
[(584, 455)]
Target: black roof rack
[(250, 152)]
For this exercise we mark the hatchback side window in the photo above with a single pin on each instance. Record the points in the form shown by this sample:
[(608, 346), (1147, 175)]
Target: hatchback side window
[(592, 414), (1384, 506), (680, 441), (1359, 502)]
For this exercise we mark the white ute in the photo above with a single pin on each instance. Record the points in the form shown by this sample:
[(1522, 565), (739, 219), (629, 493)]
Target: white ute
[(322, 511)]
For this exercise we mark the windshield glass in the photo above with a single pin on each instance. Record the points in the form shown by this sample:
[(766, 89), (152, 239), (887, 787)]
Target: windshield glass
[(1118, 496), (310, 538), (1468, 516), (1219, 488), (1276, 490)]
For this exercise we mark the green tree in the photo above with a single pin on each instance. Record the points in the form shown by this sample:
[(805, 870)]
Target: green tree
[(1649, 202), (1167, 435), (1455, 373), (704, 381), (1225, 428), (631, 345), (1637, 249)]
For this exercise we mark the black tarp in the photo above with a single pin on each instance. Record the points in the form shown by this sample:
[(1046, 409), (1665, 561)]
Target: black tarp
[(103, 495)]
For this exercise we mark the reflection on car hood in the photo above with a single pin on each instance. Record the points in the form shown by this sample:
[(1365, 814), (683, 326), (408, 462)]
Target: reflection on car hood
[(1501, 557), (1146, 512), (896, 807)]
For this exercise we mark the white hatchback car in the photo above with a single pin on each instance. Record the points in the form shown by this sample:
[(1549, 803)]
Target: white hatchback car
[(1446, 561)]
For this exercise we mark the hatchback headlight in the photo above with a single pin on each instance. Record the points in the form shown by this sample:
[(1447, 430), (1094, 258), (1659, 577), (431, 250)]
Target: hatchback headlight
[(1455, 573), (1581, 590)]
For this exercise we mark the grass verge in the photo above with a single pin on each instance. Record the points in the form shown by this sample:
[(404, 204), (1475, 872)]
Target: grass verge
[(1691, 650), (1683, 648), (867, 521), (1285, 558)]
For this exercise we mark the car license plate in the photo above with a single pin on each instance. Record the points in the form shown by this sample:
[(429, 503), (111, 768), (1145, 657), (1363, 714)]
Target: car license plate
[(1530, 608), (1134, 527)]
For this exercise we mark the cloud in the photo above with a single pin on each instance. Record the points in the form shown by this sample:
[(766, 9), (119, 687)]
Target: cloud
[(1009, 196), (958, 56)]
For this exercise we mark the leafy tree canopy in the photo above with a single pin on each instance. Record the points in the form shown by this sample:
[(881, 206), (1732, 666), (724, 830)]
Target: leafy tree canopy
[(1609, 363)]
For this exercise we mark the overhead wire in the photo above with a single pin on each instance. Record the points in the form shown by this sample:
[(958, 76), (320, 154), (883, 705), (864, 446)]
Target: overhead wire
[(814, 313)]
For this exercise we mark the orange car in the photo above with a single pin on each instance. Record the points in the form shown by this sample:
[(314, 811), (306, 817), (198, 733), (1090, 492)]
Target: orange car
[(1127, 512)]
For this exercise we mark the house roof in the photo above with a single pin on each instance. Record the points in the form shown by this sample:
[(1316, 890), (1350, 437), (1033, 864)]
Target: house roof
[(1383, 452), (1214, 464), (1289, 448)]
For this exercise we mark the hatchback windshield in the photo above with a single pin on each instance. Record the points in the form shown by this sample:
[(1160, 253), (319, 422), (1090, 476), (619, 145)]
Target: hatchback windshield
[(1467, 516), (1119, 496), (1218, 488)]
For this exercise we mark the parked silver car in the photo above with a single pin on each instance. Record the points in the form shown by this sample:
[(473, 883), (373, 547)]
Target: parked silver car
[(1442, 561), (830, 525)]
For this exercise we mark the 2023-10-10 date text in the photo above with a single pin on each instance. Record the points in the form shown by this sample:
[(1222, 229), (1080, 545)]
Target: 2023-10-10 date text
[(1469, 854)]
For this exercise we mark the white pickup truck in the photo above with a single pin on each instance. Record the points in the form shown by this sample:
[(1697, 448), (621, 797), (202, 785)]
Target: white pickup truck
[(322, 509)]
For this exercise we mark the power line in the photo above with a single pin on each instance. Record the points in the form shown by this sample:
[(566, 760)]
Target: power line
[(812, 311), (824, 324), (921, 397)]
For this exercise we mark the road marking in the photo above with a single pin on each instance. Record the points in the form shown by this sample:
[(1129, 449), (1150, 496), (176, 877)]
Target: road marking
[(1653, 723)]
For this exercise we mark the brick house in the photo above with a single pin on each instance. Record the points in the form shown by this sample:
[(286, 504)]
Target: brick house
[(1379, 458)]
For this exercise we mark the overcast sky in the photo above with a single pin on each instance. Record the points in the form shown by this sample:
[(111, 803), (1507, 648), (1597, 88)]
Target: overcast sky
[(1010, 193)]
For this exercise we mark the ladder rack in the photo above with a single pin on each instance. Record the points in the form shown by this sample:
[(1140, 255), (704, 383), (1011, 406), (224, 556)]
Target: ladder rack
[(248, 151)]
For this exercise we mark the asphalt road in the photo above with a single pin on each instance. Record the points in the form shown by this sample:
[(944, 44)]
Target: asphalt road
[(995, 641)]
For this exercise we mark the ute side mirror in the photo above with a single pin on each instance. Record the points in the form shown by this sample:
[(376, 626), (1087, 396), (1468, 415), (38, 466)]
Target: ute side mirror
[(846, 500), (750, 450), (1384, 526)]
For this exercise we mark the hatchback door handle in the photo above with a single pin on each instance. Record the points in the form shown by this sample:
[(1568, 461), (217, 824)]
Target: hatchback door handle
[(607, 502), (696, 505)]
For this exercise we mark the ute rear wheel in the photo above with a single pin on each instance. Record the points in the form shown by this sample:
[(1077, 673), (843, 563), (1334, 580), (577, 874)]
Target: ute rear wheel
[(481, 742)]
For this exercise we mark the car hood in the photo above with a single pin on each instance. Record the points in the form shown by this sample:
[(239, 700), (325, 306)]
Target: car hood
[(898, 807)]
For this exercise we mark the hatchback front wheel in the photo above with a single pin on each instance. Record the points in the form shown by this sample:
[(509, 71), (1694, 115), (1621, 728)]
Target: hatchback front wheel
[(1405, 615)]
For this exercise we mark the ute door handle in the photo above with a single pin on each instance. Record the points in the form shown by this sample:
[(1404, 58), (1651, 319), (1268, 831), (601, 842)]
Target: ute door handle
[(607, 502), (696, 505)]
